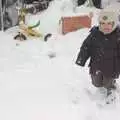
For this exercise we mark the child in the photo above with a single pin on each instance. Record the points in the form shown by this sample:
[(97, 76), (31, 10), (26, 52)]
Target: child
[(102, 46)]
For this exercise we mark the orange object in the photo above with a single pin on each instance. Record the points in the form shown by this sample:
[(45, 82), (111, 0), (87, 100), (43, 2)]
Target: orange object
[(70, 24)]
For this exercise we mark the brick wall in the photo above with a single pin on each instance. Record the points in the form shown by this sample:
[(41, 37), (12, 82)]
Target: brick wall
[(70, 24)]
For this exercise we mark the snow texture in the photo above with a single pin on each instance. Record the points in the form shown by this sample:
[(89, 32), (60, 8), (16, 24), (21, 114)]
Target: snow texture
[(35, 87)]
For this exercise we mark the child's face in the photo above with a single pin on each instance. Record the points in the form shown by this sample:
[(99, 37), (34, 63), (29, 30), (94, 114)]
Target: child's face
[(106, 27)]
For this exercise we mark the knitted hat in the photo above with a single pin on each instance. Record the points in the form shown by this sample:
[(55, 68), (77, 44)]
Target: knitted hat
[(108, 16)]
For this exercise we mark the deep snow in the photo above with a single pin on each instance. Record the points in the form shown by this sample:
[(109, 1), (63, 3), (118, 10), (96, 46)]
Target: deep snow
[(36, 87)]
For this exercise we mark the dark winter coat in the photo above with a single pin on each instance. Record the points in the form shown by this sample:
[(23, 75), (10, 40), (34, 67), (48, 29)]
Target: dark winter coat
[(103, 51)]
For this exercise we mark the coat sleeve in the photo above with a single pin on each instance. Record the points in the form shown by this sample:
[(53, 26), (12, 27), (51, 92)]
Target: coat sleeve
[(84, 52)]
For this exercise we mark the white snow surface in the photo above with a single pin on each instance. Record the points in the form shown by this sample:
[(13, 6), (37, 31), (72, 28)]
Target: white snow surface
[(34, 86)]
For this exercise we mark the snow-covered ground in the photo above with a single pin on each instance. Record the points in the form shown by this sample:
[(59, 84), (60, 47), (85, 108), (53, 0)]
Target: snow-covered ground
[(34, 86)]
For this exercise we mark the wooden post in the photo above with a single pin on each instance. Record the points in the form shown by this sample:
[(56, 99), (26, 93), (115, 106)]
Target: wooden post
[(1, 16)]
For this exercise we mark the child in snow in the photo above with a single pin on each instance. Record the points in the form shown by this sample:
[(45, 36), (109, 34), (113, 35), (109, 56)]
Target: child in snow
[(102, 46)]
